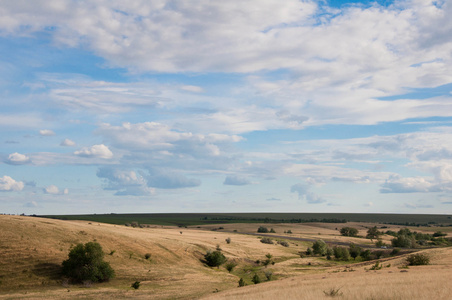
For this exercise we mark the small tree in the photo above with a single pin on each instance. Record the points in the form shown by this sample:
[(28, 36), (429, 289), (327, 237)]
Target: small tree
[(85, 263), (349, 231), (354, 251), (319, 247), (214, 258), (262, 229), (373, 233)]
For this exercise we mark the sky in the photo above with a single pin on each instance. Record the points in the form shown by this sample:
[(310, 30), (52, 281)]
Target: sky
[(225, 106)]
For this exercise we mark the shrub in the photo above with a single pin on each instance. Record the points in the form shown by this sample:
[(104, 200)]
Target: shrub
[(214, 258), (289, 231), (283, 243), (404, 241), (349, 231), (256, 279), (136, 285), (230, 266), (377, 266), (85, 263), (309, 251), (228, 240), (262, 229), (147, 255), (333, 292), (418, 259), (266, 240), (242, 282), (341, 253), (439, 234), (395, 251), (272, 230), (269, 275)]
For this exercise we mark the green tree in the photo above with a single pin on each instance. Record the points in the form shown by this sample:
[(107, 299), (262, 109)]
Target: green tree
[(256, 279), (86, 262), (214, 258), (354, 251), (319, 247), (349, 231), (373, 233)]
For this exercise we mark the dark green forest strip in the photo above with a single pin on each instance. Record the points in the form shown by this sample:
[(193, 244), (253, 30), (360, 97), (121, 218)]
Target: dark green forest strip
[(190, 219)]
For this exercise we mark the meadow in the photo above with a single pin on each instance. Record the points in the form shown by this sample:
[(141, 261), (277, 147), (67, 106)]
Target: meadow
[(32, 250)]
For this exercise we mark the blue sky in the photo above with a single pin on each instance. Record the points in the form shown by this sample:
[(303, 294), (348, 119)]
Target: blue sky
[(225, 106)]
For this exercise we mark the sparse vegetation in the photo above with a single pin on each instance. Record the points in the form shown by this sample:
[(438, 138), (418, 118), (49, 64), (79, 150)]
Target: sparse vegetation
[(333, 292), (85, 263)]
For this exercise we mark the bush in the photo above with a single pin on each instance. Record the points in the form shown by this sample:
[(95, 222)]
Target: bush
[(283, 243), (262, 229), (272, 230), (136, 285), (256, 279), (418, 259), (228, 240), (85, 263), (266, 240), (230, 266), (349, 231), (147, 255), (242, 282), (214, 258), (269, 275), (404, 241)]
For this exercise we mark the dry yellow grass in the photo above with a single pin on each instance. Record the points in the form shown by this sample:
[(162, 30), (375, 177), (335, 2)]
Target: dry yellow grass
[(417, 282), (32, 249)]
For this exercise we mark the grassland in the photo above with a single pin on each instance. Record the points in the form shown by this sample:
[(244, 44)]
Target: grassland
[(32, 250)]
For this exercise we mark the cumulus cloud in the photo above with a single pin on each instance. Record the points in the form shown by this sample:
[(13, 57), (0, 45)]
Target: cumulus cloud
[(95, 151), (17, 159), (397, 184), (67, 143), (304, 193), (7, 184), (52, 189), (46, 132), (125, 182), (236, 180)]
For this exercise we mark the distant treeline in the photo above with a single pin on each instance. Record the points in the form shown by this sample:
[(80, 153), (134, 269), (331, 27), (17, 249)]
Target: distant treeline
[(271, 220), (192, 219)]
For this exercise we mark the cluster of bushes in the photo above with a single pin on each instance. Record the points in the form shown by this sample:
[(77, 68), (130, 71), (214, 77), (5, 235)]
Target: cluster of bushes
[(349, 231), (346, 253), (263, 229), (405, 238)]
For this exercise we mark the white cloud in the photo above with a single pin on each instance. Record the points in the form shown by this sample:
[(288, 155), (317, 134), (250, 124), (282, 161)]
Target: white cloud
[(304, 193), (46, 132), (17, 159), (67, 143), (52, 189), (192, 88), (8, 184), (95, 151)]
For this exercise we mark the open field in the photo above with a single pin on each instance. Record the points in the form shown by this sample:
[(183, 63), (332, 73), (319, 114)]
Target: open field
[(186, 219), (32, 250)]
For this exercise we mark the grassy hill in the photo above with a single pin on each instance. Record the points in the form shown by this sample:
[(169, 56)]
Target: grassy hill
[(32, 250)]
